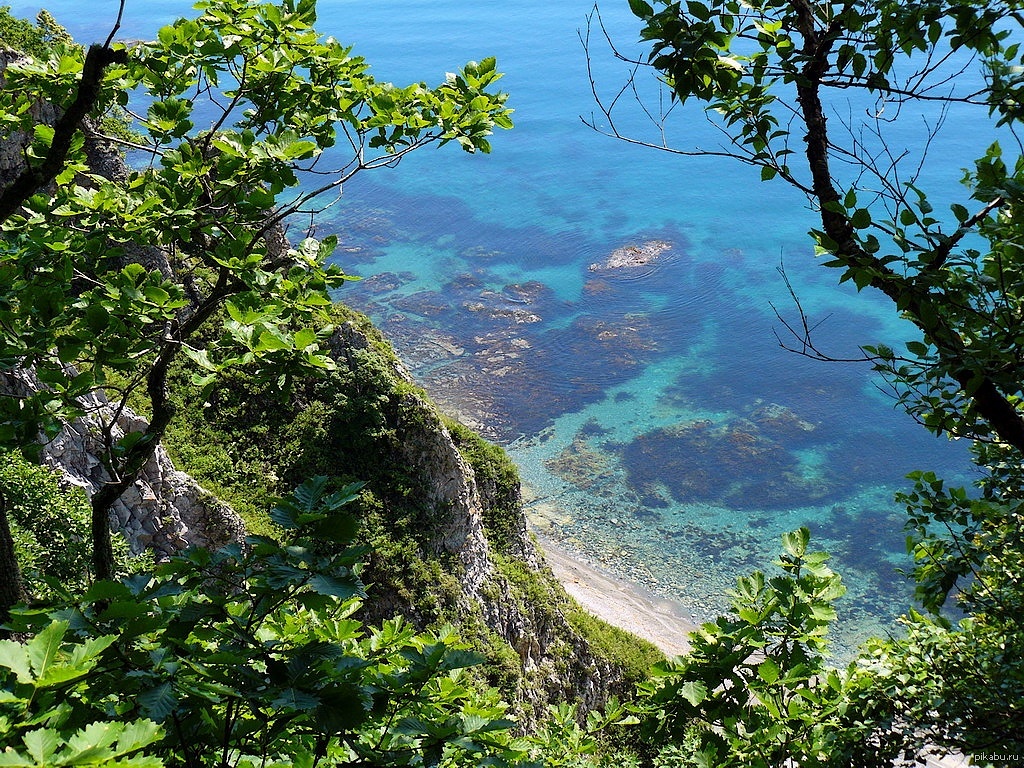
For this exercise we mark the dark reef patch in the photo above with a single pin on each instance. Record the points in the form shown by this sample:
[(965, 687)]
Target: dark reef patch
[(734, 464), (592, 428)]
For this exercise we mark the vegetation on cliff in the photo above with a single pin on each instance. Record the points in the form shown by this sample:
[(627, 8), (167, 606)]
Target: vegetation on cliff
[(365, 421), (170, 285)]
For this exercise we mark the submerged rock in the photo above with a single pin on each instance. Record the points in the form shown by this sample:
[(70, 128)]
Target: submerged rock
[(629, 256), (732, 464), (781, 423), (581, 465)]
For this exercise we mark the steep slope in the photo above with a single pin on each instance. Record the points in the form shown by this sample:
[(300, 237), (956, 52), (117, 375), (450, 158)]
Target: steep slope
[(441, 512)]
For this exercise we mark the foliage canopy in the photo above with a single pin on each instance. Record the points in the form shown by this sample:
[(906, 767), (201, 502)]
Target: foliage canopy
[(778, 78), (109, 273)]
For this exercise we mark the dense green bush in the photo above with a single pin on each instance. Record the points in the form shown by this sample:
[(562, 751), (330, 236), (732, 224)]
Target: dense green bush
[(50, 526), (34, 39)]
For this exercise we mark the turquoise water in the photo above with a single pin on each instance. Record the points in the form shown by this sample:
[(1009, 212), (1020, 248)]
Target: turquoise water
[(658, 425)]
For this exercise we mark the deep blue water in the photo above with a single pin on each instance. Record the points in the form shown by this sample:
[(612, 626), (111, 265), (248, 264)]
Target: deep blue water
[(658, 425)]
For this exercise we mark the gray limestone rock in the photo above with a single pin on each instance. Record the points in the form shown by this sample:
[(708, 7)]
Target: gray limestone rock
[(164, 510)]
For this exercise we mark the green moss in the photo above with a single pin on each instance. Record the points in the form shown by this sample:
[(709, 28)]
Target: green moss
[(529, 588), (251, 442), (503, 668), (631, 654)]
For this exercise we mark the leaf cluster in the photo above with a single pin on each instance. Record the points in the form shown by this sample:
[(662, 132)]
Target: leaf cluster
[(755, 688), (247, 656)]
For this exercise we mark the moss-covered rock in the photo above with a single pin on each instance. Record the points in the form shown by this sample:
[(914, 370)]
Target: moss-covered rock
[(441, 509)]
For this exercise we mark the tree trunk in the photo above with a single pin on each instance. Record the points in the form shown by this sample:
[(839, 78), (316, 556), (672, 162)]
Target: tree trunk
[(917, 301), (34, 178)]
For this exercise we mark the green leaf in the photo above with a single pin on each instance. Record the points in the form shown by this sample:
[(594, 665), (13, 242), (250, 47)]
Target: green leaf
[(271, 342), (299, 150), (106, 590), (343, 706), (340, 529), (201, 357), (694, 692), (306, 337), (641, 9), (768, 671), (97, 317), (335, 587), (861, 218), (795, 542), (156, 294), (44, 647), (14, 656), (917, 348), (41, 744), (698, 10), (159, 702), (293, 698), (136, 735)]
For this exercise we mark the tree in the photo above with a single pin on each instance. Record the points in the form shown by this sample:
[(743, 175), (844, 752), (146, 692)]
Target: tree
[(755, 689), (12, 590), (247, 117), (772, 74), (760, 67)]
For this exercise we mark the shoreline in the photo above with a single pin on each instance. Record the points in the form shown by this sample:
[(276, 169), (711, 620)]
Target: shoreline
[(618, 601)]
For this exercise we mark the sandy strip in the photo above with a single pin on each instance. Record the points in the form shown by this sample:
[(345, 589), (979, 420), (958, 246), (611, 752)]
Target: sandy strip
[(628, 606)]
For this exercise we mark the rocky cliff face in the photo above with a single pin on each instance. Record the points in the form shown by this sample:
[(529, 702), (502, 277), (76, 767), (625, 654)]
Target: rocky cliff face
[(505, 590), (164, 510), (503, 583)]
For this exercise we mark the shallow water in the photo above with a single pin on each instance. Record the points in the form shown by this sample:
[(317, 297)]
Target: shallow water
[(658, 424)]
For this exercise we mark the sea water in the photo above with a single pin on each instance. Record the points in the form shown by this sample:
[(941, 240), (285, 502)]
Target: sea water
[(660, 426)]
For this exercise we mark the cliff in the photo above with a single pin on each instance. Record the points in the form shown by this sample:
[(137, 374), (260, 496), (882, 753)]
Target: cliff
[(441, 510)]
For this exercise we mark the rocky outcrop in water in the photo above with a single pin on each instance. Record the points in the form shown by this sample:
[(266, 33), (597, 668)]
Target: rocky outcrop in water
[(631, 256)]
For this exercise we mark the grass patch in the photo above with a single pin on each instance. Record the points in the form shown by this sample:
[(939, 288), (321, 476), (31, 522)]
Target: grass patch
[(633, 655)]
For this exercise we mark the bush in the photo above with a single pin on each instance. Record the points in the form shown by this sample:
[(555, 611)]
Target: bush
[(51, 528), (250, 657)]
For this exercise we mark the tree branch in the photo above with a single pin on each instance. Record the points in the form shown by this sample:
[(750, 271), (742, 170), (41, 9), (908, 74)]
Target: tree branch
[(32, 179), (918, 302)]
